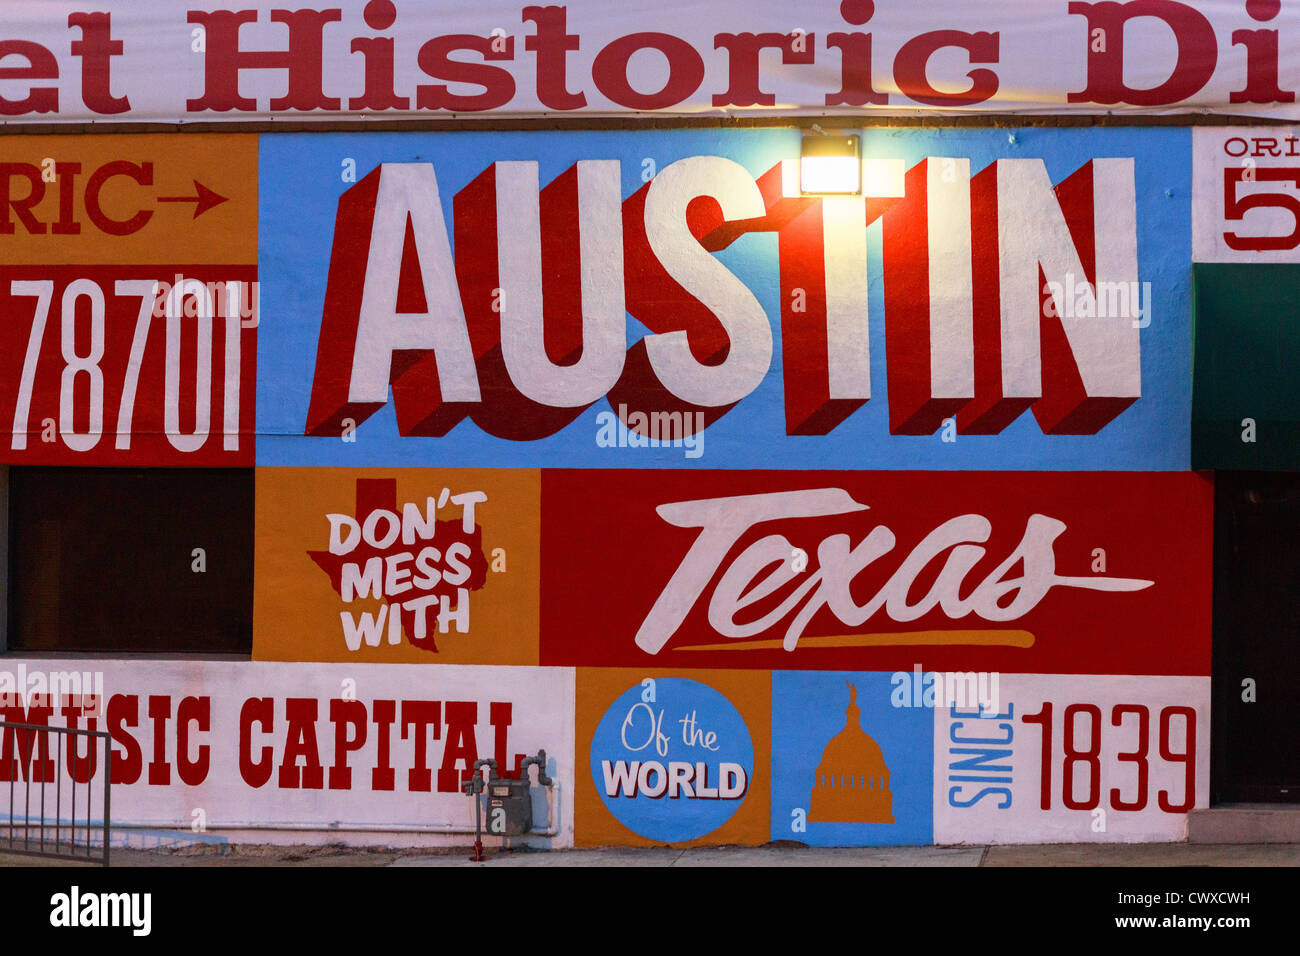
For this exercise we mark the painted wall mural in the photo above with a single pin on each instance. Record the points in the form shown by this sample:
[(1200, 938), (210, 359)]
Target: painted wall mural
[(680, 757), (417, 565), (1037, 573), (159, 60), (842, 520), (128, 286), (1245, 207), (848, 766), (326, 744), (1052, 759), (669, 300), (644, 792), (1246, 227)]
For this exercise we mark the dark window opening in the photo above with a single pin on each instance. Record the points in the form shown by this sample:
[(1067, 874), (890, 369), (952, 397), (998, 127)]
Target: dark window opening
[(137, 560), (1256, 637)]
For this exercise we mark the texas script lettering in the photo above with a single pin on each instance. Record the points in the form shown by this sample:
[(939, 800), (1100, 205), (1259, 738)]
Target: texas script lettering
[(723, 521)]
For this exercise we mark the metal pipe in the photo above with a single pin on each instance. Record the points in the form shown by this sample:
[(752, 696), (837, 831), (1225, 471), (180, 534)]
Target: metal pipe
[(552, 829)]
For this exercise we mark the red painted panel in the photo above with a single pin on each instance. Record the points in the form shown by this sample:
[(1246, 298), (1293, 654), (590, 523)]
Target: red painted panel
[(1044, 572), (83, 365)]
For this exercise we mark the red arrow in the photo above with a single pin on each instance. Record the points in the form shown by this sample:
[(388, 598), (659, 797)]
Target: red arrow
[(204, 199)]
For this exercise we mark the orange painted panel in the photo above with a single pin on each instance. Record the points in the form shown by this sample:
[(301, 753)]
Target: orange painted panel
[(679, 758), (419, 565), (129, 200)]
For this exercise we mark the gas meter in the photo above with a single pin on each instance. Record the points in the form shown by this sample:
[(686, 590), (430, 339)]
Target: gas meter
[(509, 803)]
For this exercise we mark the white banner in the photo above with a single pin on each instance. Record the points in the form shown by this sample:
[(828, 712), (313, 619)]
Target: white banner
[(163, 61), (1246, 194), (202, 745), (1072, 759)]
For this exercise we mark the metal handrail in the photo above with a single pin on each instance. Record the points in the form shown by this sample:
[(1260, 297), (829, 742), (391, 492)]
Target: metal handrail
[(33, 761)]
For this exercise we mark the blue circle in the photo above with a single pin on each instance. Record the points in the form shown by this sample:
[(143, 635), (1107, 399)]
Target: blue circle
[(676, 767)]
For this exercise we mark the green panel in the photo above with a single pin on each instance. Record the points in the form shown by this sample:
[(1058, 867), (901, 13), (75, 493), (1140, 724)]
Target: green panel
[(1246, 366)]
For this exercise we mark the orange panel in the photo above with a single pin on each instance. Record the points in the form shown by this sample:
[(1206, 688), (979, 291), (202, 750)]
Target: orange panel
[(599, 690), (129, 199), (395, 541)]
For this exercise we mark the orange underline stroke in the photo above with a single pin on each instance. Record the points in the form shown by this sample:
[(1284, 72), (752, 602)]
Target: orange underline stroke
[(949, 638)]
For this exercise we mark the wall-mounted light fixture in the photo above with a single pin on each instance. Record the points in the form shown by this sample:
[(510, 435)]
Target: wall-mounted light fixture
[(830, 166)]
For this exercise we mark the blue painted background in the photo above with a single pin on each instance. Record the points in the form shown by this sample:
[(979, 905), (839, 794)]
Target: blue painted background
[(808, 710), (665, 818), (301, 183)]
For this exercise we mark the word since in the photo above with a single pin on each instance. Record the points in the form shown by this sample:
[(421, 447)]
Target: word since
[(981, 754)]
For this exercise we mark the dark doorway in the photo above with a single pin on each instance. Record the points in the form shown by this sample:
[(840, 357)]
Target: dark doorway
[(1256, 753), (138, 560)]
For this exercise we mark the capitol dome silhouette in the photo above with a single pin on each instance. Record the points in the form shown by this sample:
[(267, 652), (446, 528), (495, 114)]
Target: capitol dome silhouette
[(852, 781)]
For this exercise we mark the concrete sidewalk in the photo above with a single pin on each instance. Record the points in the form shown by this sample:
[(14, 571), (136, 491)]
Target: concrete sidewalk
[(1069, 855), (1121, 855)]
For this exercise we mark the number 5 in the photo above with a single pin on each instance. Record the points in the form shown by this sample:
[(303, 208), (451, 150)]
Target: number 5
[(1235, 208)]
